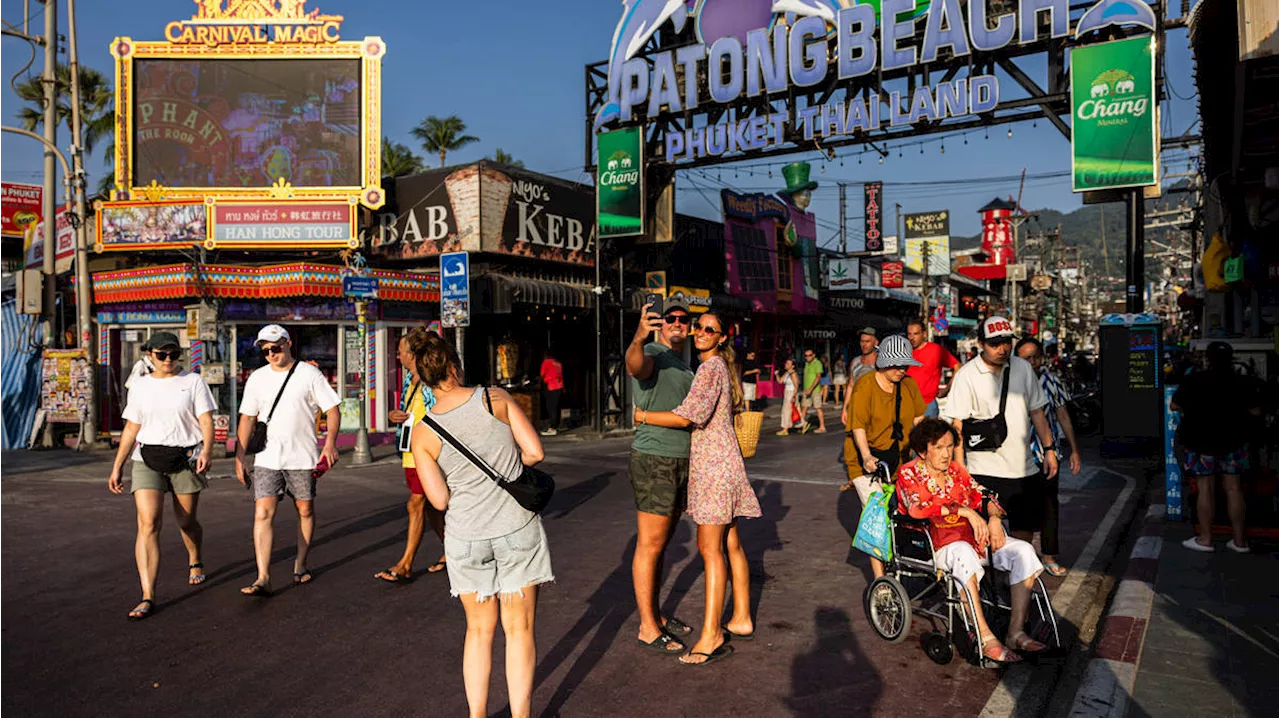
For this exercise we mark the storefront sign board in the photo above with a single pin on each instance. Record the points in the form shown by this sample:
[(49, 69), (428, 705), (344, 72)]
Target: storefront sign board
[(843, 273), (1114, 138), (275, 225), (21, 208), (159, 316), (65, 376), (699, 300), (872, 221), (455, 289), (65, 237), (620, 183), (541, 217), (891, 275), (939, 249)]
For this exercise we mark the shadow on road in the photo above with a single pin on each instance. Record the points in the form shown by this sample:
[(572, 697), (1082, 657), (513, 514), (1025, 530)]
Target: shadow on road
[(834, 677), (567, 500)]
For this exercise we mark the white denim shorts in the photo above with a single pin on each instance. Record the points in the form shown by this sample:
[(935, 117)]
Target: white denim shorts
[(1016, 556), (503, 566)]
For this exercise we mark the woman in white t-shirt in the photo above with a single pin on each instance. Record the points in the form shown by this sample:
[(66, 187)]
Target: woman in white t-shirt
[(168, 433)]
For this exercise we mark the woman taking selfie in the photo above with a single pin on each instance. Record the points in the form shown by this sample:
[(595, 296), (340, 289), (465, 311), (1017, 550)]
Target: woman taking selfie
[(719, 492), (168, 432), (494, 547)]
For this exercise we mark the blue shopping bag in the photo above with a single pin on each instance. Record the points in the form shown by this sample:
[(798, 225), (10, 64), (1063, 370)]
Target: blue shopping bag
[(874, 527)]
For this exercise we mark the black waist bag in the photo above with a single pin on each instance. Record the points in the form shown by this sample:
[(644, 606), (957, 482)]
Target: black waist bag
[(988, 434), (166, 459), (258, 439)]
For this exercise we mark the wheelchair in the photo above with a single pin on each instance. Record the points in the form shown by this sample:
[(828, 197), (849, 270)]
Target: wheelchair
[(913, 584)]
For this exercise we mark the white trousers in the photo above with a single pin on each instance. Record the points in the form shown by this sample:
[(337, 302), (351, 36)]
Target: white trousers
[(788, 401), (1016, 556)]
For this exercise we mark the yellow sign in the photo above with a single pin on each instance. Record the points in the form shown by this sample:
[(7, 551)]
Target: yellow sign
[(699, 300), (249, 22), (656, 282)]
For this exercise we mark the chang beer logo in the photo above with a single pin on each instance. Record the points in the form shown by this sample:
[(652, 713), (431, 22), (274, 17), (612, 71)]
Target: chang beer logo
[(620, 171), (1111, 99)]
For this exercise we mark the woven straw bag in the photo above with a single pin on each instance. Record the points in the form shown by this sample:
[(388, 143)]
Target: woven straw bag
[(747, 426)]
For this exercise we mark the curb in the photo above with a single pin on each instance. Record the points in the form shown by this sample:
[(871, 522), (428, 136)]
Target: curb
[(1108, 681)]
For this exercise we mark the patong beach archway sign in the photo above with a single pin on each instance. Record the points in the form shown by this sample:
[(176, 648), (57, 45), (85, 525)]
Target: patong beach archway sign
[(716, 81)]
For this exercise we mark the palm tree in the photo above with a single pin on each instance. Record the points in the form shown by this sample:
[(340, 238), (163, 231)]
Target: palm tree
[(503, 158), (443, 135), (397, 159), (97, 108)]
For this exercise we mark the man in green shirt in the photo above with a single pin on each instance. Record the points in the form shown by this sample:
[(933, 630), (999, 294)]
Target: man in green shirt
[(659, 463), (811, 395)]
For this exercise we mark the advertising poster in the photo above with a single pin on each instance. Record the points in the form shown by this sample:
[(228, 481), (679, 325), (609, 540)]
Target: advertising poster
[(150, 225), (620, 183), (65, 236), (891, 275), (64, 384), (21, 208), (1113, 128), (928, 232), (455, 290)]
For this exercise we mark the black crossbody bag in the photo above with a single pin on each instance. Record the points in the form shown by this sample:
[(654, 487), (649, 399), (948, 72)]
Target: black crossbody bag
[(988, 434), (258, 440), (532, 489)]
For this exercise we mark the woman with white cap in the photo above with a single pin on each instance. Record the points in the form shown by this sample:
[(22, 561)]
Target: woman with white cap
[(883, 406), (168, 432)]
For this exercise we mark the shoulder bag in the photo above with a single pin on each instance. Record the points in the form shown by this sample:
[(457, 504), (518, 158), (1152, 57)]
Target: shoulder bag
[(532, 489), (258, 440), (988, 434)]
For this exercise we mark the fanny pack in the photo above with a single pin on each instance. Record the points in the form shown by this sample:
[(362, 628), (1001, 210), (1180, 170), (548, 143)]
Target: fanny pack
[(167, 459), (988, 434), (258, 439)]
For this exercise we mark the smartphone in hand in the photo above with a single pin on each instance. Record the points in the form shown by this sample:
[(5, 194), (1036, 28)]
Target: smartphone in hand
[(652, 305)]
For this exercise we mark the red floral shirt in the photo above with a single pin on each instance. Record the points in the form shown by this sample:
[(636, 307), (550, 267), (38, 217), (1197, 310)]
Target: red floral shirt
[(923, 497)]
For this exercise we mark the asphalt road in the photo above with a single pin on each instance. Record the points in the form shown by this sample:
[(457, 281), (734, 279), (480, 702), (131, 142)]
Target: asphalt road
[(346, 644)]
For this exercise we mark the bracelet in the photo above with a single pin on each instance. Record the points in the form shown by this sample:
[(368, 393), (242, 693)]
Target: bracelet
[(644, 414)]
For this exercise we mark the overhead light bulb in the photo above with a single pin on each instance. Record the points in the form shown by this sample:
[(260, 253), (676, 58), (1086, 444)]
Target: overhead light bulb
[(1010, 133), (881, 159)]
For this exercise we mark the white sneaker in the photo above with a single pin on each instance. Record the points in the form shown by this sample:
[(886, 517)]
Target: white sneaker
[(1231, 545), (550, 432), (1195, 545)]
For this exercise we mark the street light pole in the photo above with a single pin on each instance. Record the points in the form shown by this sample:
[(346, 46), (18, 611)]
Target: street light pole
[(361, 454), (84, 299), (49, 81)]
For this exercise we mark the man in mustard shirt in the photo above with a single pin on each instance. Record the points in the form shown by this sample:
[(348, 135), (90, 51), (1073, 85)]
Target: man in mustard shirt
[(416, 398)]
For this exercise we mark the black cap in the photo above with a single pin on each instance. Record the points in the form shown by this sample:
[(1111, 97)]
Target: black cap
[(160, 340)]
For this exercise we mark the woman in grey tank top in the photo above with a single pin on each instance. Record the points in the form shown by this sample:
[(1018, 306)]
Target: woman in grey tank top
[(494, 546)]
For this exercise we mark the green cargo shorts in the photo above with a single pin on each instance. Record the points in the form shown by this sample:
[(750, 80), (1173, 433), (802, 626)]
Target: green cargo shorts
[(183, 482), (659, 483)]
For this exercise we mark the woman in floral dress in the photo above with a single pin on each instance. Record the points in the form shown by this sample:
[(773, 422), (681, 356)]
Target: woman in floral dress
[(719, 492)]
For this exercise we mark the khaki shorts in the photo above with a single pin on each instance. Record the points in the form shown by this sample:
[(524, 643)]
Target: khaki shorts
[(183, 482), (659, 483), (812, 401)]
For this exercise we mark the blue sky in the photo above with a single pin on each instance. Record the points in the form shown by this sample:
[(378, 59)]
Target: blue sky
[(513, 71)]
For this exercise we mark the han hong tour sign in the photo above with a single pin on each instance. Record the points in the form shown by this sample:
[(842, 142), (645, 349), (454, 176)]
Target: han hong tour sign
[(620, 183), (1113, 130)]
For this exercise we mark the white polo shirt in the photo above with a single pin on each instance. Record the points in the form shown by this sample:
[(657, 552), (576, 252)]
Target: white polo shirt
[(975, 394)]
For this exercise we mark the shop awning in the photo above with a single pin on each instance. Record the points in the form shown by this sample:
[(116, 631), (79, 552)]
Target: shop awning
[(505, 291), (298, 279)]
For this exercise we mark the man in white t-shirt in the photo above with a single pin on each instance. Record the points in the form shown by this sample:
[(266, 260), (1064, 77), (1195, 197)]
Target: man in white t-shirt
[(1010, 470), (290, 462)]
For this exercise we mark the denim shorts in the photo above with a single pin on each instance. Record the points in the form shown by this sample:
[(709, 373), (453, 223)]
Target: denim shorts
[(503, 566)]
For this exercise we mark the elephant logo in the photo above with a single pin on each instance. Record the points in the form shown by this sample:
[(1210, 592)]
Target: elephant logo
[(613, 164), (1124, 87), (1099, 91)]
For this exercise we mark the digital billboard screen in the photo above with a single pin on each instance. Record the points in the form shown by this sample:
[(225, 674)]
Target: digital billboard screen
[(247, 123)]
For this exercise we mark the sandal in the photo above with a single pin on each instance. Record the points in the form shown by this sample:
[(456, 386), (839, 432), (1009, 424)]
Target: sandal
[(663, 644), (724, 651), (391, 576), (301, 578), (140, 612), (1003, 656), (676, 627), (197, 579), (437, 567), (1023, 643), (739, 636), (258, 590), (1053, 568)]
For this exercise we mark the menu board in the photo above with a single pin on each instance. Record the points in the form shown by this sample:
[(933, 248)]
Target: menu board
[(1132, 399)]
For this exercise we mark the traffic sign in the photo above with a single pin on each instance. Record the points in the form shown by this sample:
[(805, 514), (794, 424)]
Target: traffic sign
[(455, 290), (360, 287)]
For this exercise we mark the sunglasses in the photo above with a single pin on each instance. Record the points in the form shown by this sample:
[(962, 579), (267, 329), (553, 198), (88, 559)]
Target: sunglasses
[(166, 356), (271, 351), (677, 319), (705, 329)]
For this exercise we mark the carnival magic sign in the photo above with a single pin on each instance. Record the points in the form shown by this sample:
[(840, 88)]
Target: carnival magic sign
[(801, 44), (234, 22)]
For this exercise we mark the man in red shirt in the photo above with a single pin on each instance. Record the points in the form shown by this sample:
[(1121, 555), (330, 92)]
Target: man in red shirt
[(552, 373), (933, 359)]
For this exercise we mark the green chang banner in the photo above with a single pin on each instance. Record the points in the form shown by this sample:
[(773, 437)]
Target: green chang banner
[(620, 183), (1113, 133)]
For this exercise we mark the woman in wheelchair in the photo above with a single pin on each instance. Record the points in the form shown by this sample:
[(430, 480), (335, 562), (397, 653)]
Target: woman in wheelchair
[(935, 488)]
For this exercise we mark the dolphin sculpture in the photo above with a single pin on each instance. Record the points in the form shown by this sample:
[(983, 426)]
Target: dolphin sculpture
[(640, 20), (825, 9)]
